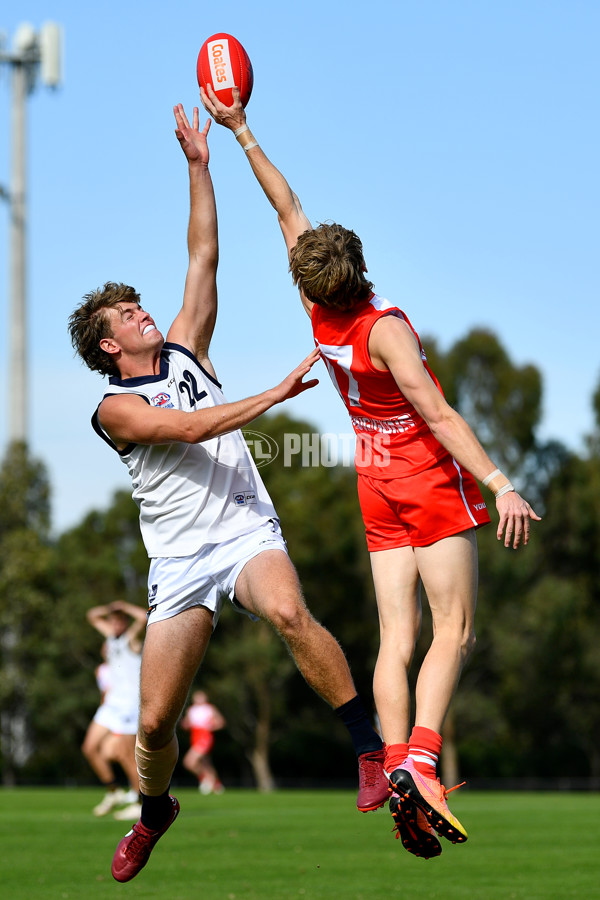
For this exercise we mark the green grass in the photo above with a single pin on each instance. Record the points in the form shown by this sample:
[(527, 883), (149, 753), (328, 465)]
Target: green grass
[(306, 845)]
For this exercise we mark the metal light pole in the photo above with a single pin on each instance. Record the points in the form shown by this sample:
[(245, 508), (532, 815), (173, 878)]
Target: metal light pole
[(30, 52)]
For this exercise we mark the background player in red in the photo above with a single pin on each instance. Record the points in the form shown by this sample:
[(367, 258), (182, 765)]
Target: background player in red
[(416, 458), (202, 719)]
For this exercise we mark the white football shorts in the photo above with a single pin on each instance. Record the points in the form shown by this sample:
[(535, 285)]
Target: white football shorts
[(208, 578), (119, 721)]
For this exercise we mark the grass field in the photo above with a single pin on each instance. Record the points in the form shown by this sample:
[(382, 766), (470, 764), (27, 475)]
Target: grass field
[(301, 844)]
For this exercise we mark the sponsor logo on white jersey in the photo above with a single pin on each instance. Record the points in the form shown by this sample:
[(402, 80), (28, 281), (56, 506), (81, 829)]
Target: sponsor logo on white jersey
[(162, 399), (244, 498)]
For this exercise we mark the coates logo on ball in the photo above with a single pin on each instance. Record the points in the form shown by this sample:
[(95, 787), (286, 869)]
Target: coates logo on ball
[(223, 63)]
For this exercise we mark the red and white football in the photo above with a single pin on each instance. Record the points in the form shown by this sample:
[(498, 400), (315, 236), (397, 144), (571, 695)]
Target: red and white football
[(223, 63)]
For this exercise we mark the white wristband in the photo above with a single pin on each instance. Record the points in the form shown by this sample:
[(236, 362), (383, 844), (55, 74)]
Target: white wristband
[(240, 130), (250, 145), (491, 477), (504, 490)]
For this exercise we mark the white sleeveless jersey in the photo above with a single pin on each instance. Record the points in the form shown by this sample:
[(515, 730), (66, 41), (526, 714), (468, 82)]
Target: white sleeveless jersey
[(189, 495), (124, 675)]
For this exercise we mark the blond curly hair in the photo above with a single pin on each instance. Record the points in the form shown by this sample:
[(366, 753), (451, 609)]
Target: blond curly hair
[(328, 266)]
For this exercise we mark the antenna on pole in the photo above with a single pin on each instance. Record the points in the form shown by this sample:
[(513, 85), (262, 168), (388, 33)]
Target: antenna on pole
[(51, 52), (31, 52)]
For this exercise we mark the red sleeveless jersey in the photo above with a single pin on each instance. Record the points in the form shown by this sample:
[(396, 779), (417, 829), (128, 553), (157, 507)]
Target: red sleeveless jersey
[(392, 439)]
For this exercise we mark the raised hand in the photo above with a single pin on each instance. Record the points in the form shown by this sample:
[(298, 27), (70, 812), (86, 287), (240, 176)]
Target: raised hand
[(192, 141), (232, 117), (293, 384)]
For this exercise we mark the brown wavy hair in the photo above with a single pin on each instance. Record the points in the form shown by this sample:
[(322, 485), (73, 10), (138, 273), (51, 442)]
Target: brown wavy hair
[(88, 324), (328, 266)]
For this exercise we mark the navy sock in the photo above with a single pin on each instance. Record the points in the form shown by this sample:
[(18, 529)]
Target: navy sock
[(111, 786), (364, 737), (155, 810)]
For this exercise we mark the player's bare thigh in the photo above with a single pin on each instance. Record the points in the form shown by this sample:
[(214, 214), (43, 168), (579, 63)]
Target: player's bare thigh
[(396, 581), (95, 736), (268, 587), (111, 747)]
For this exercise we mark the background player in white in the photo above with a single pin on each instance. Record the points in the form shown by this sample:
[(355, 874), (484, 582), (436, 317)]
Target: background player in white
[(207, 521), (420, 505), (110, 737), (113, 748), (202, 719)]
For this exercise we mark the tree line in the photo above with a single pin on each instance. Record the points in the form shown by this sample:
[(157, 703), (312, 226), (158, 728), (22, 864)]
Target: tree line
[(528, 705)]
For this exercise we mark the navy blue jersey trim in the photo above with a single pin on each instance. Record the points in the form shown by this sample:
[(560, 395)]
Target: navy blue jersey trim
[(168, 345), (164, 363), (142, 379)]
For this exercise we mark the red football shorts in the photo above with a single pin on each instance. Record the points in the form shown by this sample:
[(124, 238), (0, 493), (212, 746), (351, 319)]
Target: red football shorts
[(203, 742), (420, 509)]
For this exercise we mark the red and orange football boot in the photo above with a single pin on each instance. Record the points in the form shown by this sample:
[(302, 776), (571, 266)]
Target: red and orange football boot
[(430, 796)]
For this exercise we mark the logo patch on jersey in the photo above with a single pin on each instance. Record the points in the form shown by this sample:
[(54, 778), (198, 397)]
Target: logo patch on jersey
[(244, 498), (162, 399)]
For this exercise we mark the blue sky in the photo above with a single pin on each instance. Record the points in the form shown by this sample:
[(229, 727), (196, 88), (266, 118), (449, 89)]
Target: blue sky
[(460, 139)]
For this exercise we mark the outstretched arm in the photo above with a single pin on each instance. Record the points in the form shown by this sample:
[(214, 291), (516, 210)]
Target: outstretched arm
[(127, 418), (292, 220), (195, 323)]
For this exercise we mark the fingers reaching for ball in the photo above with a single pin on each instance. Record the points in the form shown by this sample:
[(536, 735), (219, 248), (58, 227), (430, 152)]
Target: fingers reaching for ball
[(232, 117), (192, 141)]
